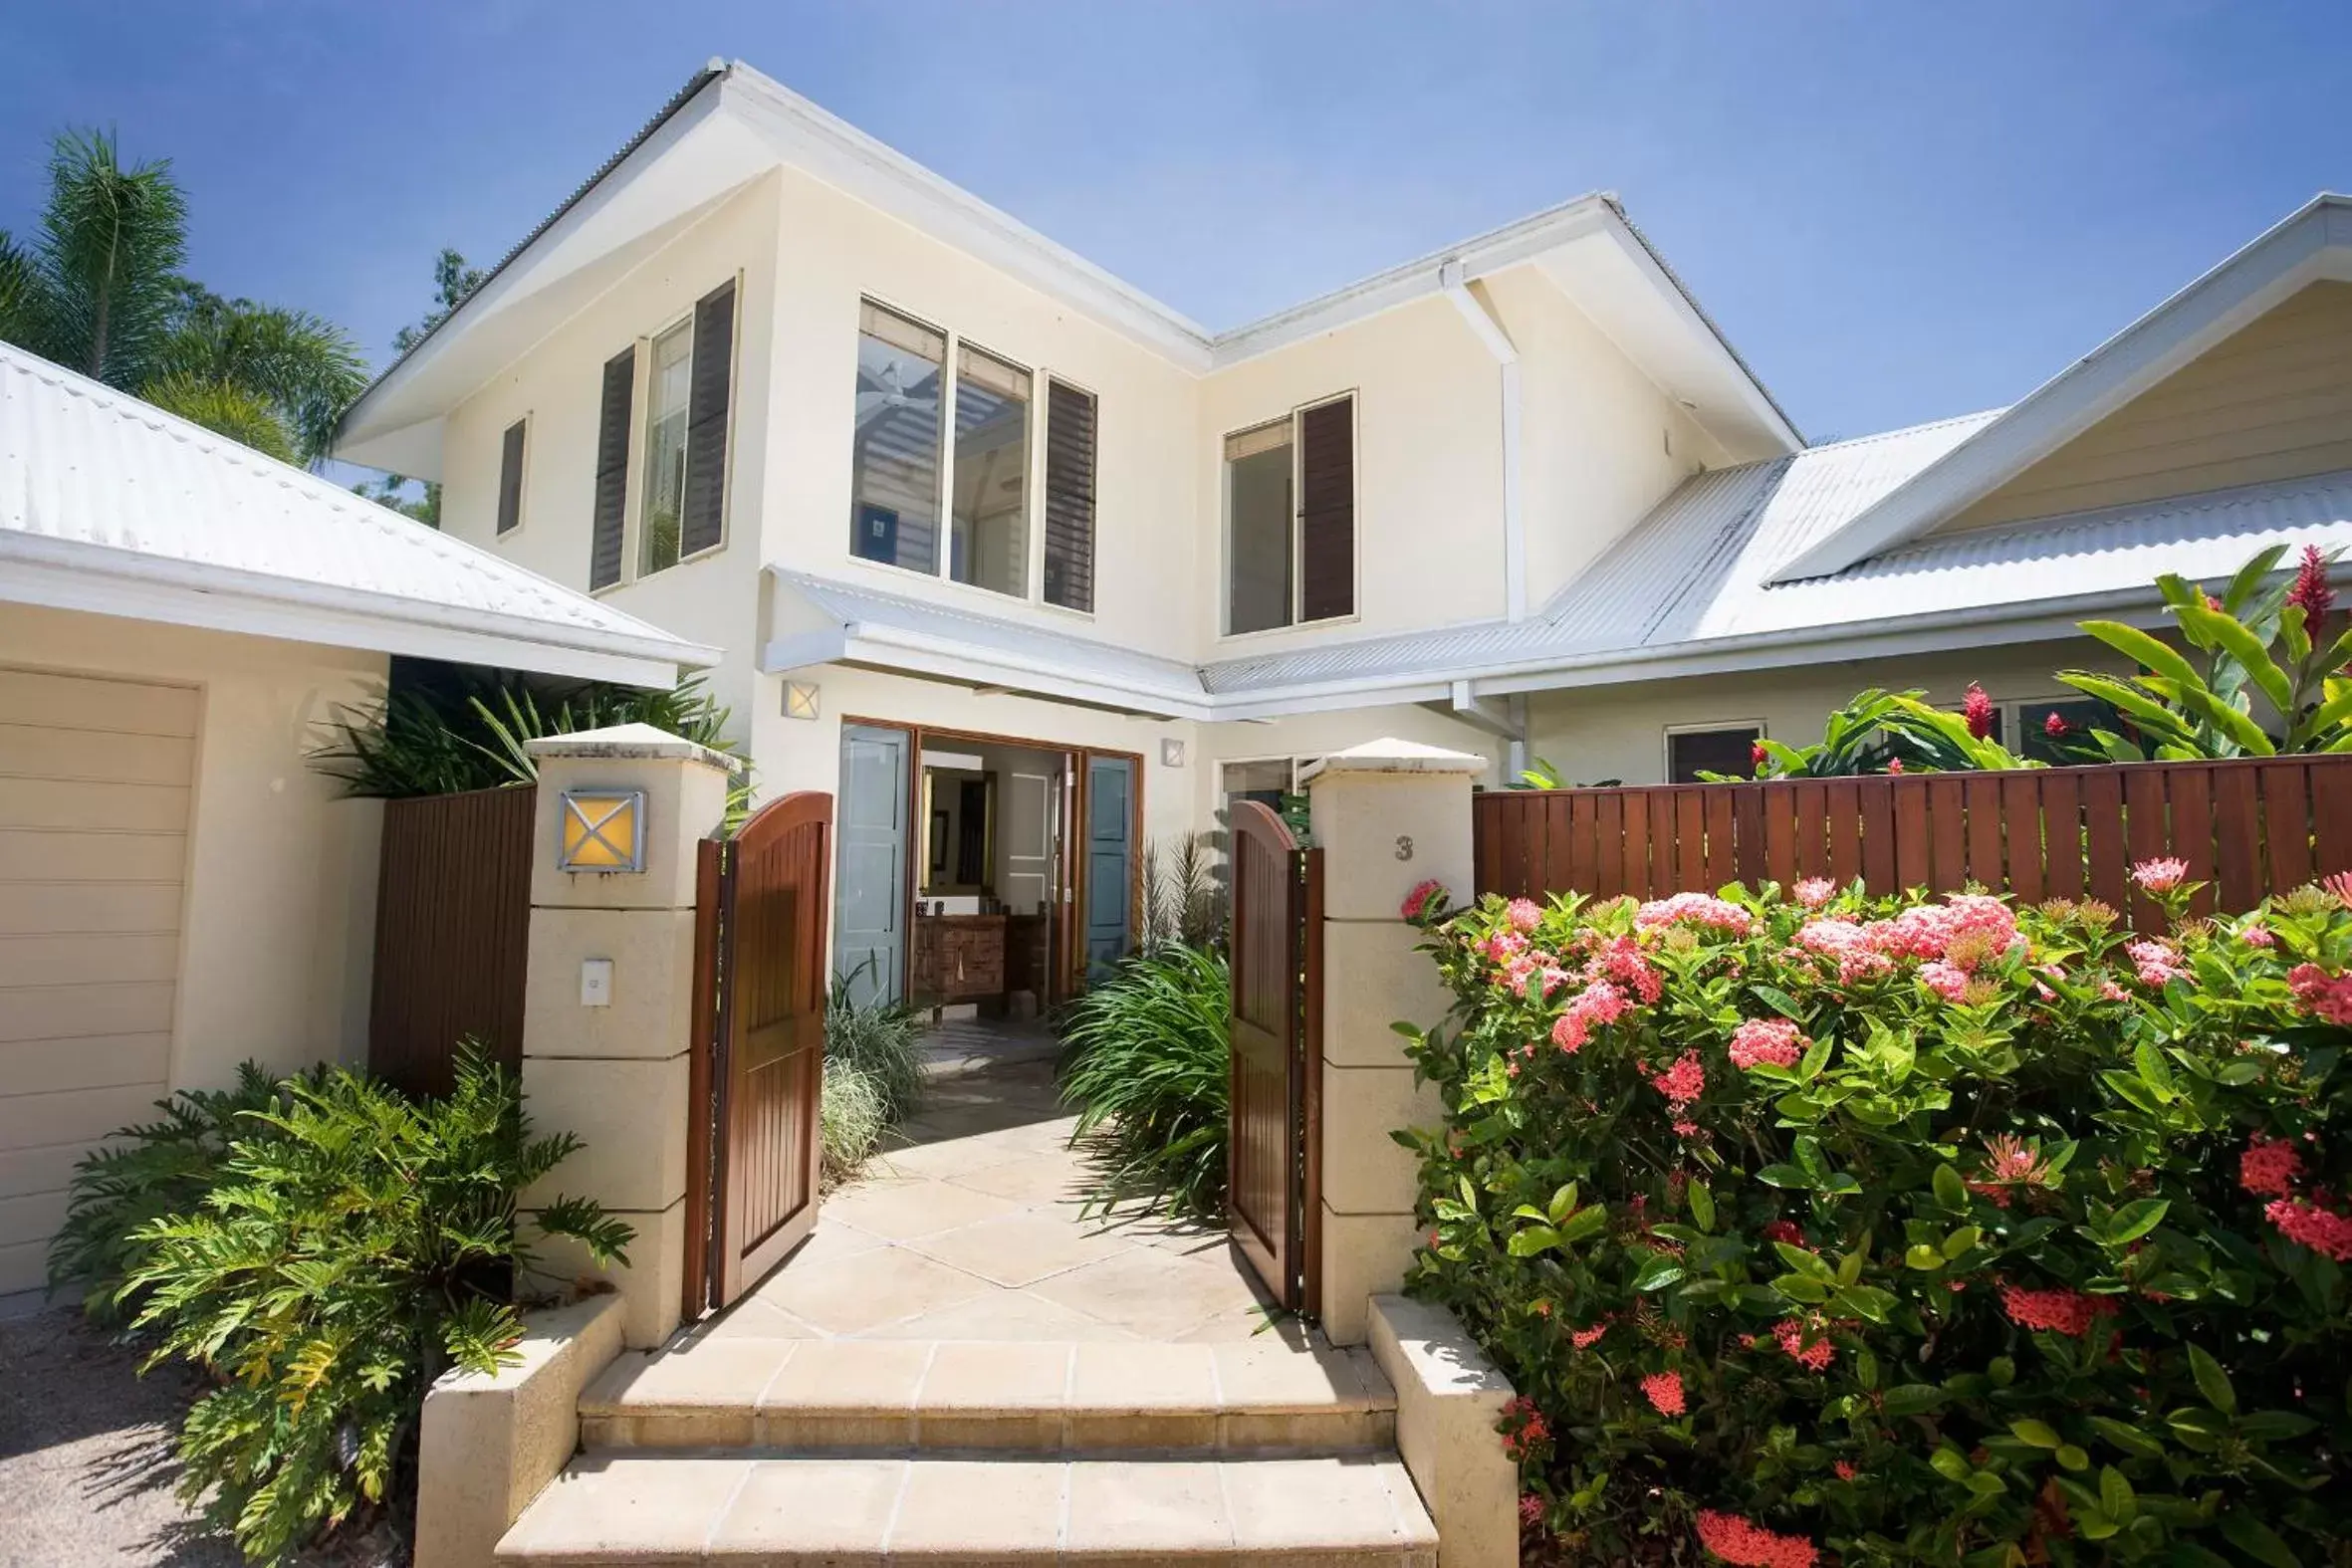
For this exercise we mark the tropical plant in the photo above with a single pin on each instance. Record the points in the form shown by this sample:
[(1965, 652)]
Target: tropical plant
[(1145, 1060), (445, 738), (453, 281), (98, 288), (143, 1173), (852, 1118), (1816, 1227), (352, 1246), (1542, 775), (1184, 902), (880, 1040), (1891, 732), (2265, 637)]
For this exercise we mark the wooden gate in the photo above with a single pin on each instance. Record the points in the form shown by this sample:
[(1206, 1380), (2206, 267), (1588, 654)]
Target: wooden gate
[(1273, 1165), (758, 1066)]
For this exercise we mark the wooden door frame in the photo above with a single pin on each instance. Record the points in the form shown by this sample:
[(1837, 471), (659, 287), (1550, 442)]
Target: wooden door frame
[(1067, 969)]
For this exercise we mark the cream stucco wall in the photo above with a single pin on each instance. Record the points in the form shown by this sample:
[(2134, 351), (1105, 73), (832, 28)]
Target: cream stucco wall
[(279, 916), (1311, 735), (1620, 732)]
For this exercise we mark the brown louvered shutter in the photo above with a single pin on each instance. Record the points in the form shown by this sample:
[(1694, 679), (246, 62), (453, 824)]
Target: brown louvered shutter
[(1327, 511), (612, 469), (510, 479), (1069, 496), (705, 519)]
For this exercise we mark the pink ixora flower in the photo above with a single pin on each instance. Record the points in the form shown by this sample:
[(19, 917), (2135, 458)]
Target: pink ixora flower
[(2157, 961), (1948, 981), (1746, 1544), (1664, 1392), (1424, 896), (1531, 1509), (2323, 996), (1598, 1003), (1586, 1338), (2268, 1167), (1684, 1081), (1845, 1469), (1698, 909), (1525, 914), (1776, 1041), (2321, 1229), (2340, 884), (2059, 1310), (1814, 891), (2160, 875), (2256, 935), (1807, 1343)]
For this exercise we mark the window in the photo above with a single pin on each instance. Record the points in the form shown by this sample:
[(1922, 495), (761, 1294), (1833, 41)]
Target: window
[(895, 459), (987, 546), (1290, 511), (1069, 496), (1728, 750), (662, 505), (510, 479), (1266, 781), (2078, 714)]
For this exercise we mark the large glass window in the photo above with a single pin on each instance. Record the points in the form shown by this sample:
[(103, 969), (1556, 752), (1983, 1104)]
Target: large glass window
[(1260, 528), (665, 448), (1729, 751), (989, 544), (895, 455)]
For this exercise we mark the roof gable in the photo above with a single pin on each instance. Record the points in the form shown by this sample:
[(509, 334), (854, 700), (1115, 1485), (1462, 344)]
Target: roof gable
[(2313, 244)]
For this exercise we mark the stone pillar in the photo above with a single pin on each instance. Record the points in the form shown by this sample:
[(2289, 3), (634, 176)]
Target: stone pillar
[(1387, 815), (609, 1004)]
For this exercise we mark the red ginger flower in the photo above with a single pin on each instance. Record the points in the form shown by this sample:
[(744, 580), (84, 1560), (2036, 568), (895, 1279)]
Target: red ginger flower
[(2311, 589), (2321, 1229), (1976, 709), (2054, 726), (1746, 1544), (1664, 1392), (1893, 765), (2268, 1167), (1756, 755)]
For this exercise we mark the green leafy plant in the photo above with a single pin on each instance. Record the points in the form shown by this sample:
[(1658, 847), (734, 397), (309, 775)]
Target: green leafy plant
[(1881, 732), (880, 1040), (351, 1245), (1184, 902), (2264, 637), (1542, 774), (145, 1171), (1814, 1226), (852, 1115), (1146, 1058)]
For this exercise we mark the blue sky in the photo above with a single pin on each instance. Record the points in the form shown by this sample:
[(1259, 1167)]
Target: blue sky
[(1897, 212)]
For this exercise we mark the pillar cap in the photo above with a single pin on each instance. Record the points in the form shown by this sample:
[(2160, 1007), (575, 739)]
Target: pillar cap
[(630, 742), (1391, 756)]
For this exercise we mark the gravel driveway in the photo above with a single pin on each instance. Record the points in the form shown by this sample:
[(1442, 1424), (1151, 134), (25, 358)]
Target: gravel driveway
[(86, 1465)]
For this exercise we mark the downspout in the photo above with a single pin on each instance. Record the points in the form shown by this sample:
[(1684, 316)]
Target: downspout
[(1498, 342)]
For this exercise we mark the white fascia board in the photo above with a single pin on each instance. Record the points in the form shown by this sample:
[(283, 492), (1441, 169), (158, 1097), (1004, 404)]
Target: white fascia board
[(830, 148), (894, 648), (69, 574), (2315, 243)]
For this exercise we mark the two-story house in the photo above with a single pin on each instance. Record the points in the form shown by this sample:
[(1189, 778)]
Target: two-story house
[(1031, 570)]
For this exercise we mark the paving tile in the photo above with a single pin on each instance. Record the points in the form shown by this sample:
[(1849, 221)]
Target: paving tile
[(1142, 1396), (851, 1295), (1338, 1509), (1269, 1375), (1148, 1292), (1017, 1248), (751, 1318), (979, 1511), (903, 1209), (946, 1157), (700, 1392), (1134, 1510), (844, 1392), (832, 1237), (1003, 1315), (994, 1395), (830, 1511), (1026, 1177), (623, 1509)]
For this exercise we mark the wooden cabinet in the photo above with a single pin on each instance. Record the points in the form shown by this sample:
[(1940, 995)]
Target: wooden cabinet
[(958, 957)]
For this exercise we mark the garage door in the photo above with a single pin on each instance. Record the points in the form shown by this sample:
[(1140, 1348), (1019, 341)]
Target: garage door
[(94, 780)]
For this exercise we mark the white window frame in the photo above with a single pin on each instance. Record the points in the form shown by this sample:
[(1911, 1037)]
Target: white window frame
[(1355, 491), (1762, 731), (632, 513), (1033, 590)]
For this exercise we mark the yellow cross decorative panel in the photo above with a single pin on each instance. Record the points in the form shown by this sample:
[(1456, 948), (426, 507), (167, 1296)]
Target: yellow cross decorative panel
[(604, 831)]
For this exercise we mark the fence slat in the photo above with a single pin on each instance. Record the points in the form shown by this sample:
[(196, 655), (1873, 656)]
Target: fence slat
[(1845, 830), (1723, 864), (2331, 818), (1634, 876), (2061, 833), (1663, 868), (1608, 844), (1911, 834), (1879, 869), (2146, 831), (1779, 834), (2102, 817), (1689, 831), (1947, 864), (2020, 822), (2287, 822), (2238, 838), (1981, 800), (2192, 834), (1748, 828), (1559, 842)]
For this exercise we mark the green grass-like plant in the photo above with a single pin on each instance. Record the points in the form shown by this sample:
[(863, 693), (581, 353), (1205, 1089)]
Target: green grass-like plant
[(852, 1118), (881, 1042), (1145, 1059), (352, 1245)]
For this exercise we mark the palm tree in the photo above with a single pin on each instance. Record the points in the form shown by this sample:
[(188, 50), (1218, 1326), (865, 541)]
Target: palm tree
[(98, 288)]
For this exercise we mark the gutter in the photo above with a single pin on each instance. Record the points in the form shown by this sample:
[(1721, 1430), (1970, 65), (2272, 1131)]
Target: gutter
[(1489, 330)]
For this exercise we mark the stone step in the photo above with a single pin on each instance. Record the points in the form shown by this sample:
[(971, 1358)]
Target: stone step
[(852, 1396), (696, 1508)]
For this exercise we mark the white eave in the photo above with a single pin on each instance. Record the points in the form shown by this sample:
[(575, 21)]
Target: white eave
[(110, 506), (2312, 244)]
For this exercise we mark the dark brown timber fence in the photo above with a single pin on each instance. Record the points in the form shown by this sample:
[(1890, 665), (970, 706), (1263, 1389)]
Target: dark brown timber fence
[(452, 934), (2247, 828)]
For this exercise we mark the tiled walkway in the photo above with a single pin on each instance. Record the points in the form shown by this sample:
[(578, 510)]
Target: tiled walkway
[(972, 1232)]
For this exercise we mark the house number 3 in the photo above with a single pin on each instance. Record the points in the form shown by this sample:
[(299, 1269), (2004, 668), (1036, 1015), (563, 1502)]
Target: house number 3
[(1404, 847)]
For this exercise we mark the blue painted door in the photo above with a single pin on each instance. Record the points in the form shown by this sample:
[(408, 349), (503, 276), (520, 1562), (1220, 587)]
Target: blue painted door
[(871, 862), (1111, 861)]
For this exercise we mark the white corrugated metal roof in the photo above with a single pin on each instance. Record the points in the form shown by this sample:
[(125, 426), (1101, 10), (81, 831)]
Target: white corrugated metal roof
[(99, 488), (1697, 571)]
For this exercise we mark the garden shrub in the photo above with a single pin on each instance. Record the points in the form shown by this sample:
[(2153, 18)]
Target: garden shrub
[(1145, 1060), (880, 1040), (1814, 1226), (352, 1247)]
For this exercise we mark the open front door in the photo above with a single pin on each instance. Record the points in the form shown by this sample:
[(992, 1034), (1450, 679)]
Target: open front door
[(1271, 1175), (1110, 851), (758, 1079)]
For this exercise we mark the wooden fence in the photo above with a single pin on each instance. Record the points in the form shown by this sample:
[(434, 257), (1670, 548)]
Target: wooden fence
[(452, 934), (2248, 828)]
